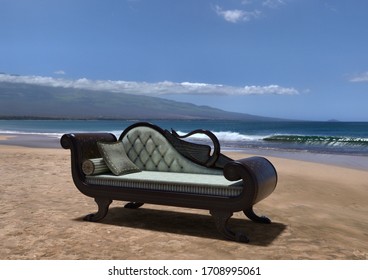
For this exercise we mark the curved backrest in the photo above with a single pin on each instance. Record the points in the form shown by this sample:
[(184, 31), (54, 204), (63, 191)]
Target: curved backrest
[(150, 150)]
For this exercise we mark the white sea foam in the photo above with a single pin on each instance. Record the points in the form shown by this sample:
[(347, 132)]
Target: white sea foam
[(48, 134)]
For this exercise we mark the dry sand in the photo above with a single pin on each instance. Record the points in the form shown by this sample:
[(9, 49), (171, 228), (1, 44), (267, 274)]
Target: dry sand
[(318, 212)]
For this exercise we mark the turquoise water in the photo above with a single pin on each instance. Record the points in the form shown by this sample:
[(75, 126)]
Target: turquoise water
[(342, 138)]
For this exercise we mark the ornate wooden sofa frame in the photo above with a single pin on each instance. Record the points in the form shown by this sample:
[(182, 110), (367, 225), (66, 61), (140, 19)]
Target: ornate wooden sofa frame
[(174, 172)]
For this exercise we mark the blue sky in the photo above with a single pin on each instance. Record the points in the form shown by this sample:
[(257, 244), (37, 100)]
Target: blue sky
[(300, 59)]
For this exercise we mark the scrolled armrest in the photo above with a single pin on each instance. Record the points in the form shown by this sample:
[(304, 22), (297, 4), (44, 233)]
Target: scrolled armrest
[(83, 146), (86, 143), (81, 138), (257, 173)]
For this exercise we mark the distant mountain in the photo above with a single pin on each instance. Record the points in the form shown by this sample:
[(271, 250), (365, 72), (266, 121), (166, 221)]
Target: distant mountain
[(19, 100)]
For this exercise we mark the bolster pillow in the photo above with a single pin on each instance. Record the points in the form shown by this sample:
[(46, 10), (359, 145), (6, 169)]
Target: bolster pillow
[(94, 166)]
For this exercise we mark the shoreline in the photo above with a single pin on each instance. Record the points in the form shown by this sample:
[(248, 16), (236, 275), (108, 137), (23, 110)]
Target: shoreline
[(349, 161), (29, 140)]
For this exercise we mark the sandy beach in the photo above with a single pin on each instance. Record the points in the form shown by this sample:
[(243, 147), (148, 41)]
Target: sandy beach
[(318, 211)]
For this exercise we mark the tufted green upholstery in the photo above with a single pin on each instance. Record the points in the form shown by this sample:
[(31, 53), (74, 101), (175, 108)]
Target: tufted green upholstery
[(165, 169), (149, 150)]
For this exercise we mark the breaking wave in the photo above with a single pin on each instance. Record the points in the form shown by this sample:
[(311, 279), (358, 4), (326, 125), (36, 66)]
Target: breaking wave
[(318, 140), (48, 134)]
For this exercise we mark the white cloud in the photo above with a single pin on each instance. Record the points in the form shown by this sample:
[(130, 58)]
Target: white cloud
[(363, 77), (236, 15), (239, 15), (271, 89), (273, 3), (331, 8), (151, 89), (60, 72)]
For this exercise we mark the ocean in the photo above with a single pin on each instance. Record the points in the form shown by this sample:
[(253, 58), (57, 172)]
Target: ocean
[(294, 139)]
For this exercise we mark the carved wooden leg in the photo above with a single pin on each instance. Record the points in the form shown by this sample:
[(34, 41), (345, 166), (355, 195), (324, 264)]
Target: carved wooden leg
[(221, 219), (103, 207), (133, 205), (255, 218)]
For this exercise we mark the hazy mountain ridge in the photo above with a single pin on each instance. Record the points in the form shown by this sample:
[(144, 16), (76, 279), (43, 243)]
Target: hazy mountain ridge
[(26, 101)]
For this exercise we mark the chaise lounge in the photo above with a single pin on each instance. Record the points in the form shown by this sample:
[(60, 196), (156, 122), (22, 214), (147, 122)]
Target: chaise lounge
[(148, 164)]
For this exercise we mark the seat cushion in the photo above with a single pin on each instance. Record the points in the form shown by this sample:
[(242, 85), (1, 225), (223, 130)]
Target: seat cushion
[(205, 184)]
